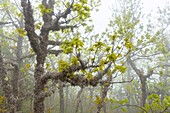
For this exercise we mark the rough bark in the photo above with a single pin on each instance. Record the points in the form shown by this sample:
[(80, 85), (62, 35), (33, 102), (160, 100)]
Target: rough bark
[(40, 49), (39, 86), (102, 101), (104, 90)]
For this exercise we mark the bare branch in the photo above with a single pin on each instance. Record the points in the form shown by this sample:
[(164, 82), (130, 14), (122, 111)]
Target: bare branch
[(166, 108), (81, 61), (111, 82), (55, 52), (138, 72), (51, 42), (67, 21), (66, 12), (56, 25), (135, 106), (27, 56), (2, 35), (4, 23)]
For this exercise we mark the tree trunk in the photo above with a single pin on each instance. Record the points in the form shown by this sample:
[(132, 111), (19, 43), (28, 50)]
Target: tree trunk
[(39, 95), (18, 89), (143, 79), (104, 108), (143, 88), (61, 94), (104, 91), (81, 106), (16, 75), (66, 102), (38, 99), (15, 86), (91, 98), (129, 95), (78, 100)]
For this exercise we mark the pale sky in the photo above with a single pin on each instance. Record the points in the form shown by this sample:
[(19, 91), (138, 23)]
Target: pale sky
[(101, 18)]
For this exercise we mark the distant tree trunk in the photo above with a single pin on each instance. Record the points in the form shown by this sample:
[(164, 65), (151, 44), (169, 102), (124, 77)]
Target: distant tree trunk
[(143, 79), (66, 100), (104, 108), (6, 87), (15, 86), (164, 79), (143, 88), (61, 94), (128, 92), (31, 104), (78, 100), (16, 74), (91, 98), (81, 105)]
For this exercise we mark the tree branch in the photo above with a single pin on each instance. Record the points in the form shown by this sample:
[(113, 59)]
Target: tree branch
[(66, 12), (111, 82), (29, 26), (51, 42), (137, 71), (4, 23), (76, 80), (55, 52), (136, 106), (2, 35), (27, 56), (56, 25)]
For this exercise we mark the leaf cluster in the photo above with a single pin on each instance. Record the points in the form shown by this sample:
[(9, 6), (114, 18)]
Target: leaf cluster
[(155, 104)]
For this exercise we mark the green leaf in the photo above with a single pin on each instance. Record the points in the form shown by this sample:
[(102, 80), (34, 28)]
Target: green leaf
[(112, 57), (43, 9), (89, 75), (123, 109), (62, 65), (74, 60), (21, 32)]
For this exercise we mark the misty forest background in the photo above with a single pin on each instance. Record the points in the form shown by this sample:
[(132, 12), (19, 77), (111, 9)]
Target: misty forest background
[(53, 61)]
